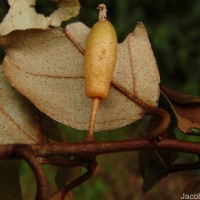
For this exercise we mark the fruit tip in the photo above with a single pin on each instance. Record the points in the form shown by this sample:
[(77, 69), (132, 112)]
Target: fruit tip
[(102, 11)]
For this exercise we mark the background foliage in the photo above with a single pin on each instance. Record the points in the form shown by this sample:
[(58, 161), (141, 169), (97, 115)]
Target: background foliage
[(173, 28)]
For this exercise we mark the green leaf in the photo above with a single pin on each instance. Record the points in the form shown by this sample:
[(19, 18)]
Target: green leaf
[(9, 180)]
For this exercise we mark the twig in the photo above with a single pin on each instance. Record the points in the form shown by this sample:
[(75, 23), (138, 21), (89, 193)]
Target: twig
[(42, 189), (91, 166)]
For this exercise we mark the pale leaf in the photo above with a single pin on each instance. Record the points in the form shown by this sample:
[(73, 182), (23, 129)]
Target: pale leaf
[(66, 10), (136, 67), (47, 68), (18, 120), (22, 15), (30, 2)]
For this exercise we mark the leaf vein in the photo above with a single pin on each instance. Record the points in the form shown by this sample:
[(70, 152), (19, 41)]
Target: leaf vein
[(18, 127)]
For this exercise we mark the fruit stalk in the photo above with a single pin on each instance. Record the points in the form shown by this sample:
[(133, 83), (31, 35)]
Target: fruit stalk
[(95, 104)]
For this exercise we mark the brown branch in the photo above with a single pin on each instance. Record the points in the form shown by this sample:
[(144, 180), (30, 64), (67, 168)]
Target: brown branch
[(90, 150), (85, 149), (28, 156), (91, 166), (97, 148)]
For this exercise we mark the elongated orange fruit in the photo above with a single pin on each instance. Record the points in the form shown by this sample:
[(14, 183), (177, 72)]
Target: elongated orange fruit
[(100, 60)]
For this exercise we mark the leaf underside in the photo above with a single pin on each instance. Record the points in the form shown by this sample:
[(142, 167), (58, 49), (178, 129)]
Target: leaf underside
[(18, 117), (47, 68)]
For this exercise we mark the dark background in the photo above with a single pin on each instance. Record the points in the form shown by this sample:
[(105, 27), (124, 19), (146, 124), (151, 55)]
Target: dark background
[(174, 31)]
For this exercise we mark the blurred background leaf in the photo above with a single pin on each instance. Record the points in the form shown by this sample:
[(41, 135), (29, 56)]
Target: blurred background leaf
[(192, 187), (9, 180)]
